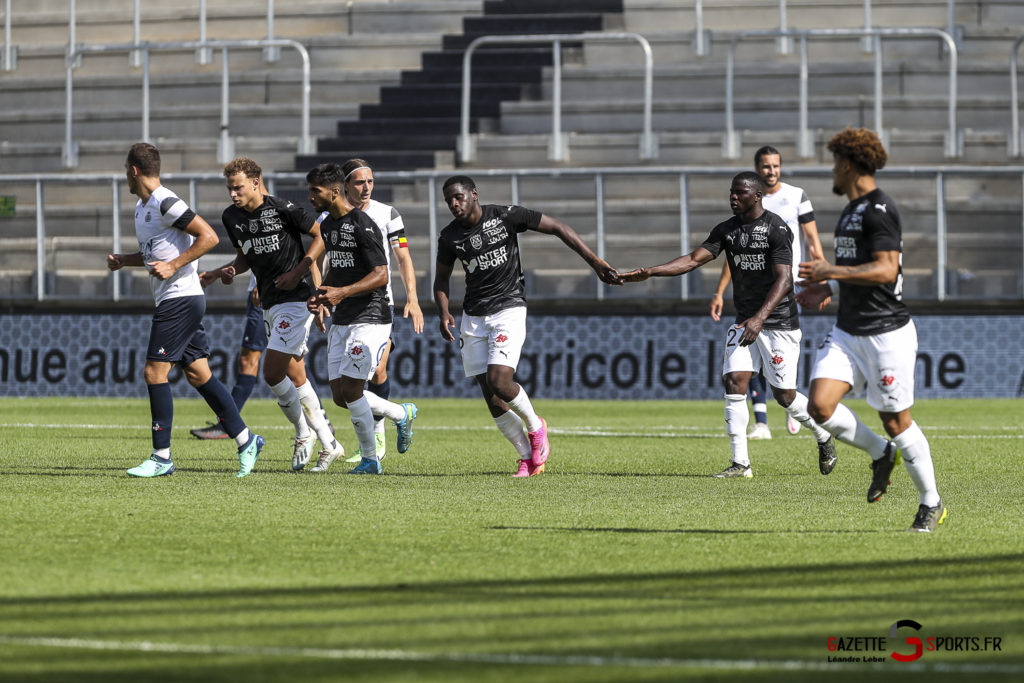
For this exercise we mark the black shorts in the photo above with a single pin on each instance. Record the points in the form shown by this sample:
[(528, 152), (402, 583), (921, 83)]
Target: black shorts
[(255, 336), (177, 334)]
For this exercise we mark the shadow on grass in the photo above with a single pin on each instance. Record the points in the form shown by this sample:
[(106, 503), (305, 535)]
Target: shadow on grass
[(637, 530)]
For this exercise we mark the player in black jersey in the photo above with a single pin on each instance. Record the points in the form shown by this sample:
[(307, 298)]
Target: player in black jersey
[(874, 341), (758, 246), (356, 286), (266, 232), (485, 239)]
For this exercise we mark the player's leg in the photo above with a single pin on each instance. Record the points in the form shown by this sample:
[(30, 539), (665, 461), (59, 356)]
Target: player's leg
[(475, 345), (739, 364), (780, 357), (161, 408), (197, 372), (313, 415), (254, 341), (379, 385), (506, 334), (758, 390), (891, 393), (287, 327)]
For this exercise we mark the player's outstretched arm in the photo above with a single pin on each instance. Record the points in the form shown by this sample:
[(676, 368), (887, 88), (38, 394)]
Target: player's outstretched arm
[(553, 226), (677, 266)]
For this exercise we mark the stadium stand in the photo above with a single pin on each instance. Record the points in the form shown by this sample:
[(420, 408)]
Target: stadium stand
[(386, 84)]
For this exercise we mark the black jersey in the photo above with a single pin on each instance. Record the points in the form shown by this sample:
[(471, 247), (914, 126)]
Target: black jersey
[(271, 240), (753, 250), (489, 252), (355, 246), (870, 224)]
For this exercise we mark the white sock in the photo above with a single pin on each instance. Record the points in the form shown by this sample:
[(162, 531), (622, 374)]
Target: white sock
[(381, 407), (736, 419), (314, 416), (524, 409), (243, 438), (511, 425), (362, 419), (846, 427), (164, 453), (761, 409), (798, 409), (917, 458), (288, 399)]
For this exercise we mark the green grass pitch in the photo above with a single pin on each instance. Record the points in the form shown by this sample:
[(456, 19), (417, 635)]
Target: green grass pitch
[(624, 562)]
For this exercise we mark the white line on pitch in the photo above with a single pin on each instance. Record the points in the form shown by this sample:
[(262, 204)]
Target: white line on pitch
[(496, 658)]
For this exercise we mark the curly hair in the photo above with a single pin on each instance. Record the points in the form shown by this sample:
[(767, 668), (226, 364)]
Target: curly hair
[(861, 147), (244, 165)]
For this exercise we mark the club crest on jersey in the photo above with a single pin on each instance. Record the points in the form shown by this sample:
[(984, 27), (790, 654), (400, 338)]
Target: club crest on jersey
[(253, 226), (476, 241), (743, 239), (149, 217), (334, 238), (778, 360)]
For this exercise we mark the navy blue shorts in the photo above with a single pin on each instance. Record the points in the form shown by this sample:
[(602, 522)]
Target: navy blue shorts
[(177, 334), (255, 336)]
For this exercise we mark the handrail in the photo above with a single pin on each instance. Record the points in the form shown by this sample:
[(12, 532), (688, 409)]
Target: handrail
[(69, 156), (731, 143), (10, 53), (557, 150), (431, 177), (1014, 112)]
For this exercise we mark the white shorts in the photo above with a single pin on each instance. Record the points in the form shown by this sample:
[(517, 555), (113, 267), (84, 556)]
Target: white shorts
[(287, 327), (883, 362), (355, 350), (495, 339), (776, 352)]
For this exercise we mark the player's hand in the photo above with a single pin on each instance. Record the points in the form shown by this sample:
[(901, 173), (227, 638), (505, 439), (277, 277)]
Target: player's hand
[(751, 328), (327, 296), (716, 306), (115, 262), (318, 318), (813, 294), (817, 270), (227, 274), (638, 275), (254, 297), (606, 273), (412, 308), (289, 280), (447, 325), (207, 277), (161, 270)]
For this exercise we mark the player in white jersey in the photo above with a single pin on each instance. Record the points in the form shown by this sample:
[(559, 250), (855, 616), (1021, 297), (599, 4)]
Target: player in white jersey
[(873, 344), (171, 237), (790, 203), (358, 190)]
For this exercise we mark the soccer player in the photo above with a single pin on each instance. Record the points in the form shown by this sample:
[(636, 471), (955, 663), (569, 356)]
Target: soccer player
[(358, 191), (171, 237), (267, 235), (766, 333), (790, 203), (874, 340), (355, 285), (485, 238)]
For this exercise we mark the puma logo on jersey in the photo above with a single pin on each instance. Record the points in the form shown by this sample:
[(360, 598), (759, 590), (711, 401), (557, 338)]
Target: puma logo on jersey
[(881, 207)]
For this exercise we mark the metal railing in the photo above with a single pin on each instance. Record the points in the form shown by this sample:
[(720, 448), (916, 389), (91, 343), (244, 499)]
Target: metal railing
[(558, 149), (1015, 142), (805, 143), (69, 155), (940, 174)]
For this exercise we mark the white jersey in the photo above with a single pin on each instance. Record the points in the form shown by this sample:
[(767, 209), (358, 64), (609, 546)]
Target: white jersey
[(791, 204), (160, 228)]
